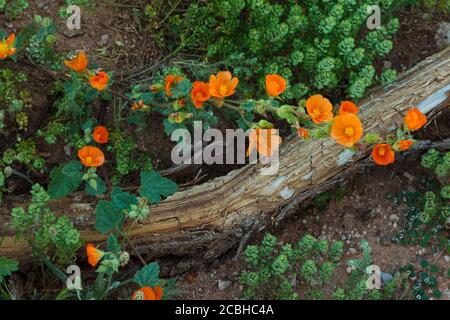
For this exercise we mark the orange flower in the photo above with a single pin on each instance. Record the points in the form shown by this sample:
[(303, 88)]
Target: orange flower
[(148, 293), (94, 255), (91, 156), (319, 108), (275, 85), (348, 107), (159, 292), (404, 145), (139, 106), (99, 81), (79, 63), (383, 154), (303, 133), (171, 80), (222, 85), (266, 141), (346, 129), (101, 135), (200, 93), (7, 48), (415, 119), (181, 102)]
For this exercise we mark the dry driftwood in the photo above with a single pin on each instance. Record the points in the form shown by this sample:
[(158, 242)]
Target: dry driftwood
[(207, 220)]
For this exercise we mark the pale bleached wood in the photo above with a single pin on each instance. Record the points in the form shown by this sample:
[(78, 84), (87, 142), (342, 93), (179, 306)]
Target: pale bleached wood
[(207, 220)]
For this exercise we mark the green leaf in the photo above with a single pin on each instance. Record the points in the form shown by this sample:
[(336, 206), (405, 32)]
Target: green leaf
[(434, 268), (7, 267), (171, 127), (113, 244), (95, 187), (437, 293), (91, 95), (424, 264), (107, 96), (106, 218), (122, 200), (148, 276), (154, 186), (65, 179), (181, 89), (147, 98), (249, 105)]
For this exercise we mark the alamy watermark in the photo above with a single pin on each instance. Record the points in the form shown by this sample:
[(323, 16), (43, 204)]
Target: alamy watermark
[(74, 20), (374, 279), (74, 279), (374, 20), (211, 147)]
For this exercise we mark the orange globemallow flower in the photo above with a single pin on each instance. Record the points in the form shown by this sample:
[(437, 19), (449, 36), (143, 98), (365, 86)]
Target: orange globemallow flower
[(346, 129), (319, 108), (200, 93), (148, 293), (7, 48), (222, 85), (94, 255), (101, 135), (383, 154), (404, 145), (275, 85), (348, 107), (415, 119), (303, 133), (79, 63), (91, 156), (171, 80), (266, 141), (99, 81)]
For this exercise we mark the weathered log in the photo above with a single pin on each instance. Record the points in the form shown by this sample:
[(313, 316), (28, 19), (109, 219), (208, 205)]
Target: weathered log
[(209, 219)]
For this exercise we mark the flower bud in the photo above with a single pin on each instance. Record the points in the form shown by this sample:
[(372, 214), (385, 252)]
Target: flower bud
[(155, 88), (264, 124), (124, 258)]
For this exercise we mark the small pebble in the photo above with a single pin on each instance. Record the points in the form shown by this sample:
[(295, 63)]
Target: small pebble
[(223, 285)]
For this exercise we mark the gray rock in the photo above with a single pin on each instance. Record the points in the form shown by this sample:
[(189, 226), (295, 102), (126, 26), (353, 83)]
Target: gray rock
[(393, 217), (443, 35), (446, 293), (223, 284), (43, 4), (386, 277), (409, 176), (104, 40), (387, 64), (72, 33)]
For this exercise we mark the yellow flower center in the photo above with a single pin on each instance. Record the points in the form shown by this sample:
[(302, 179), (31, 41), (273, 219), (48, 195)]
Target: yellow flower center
[(382, 151), (89, 159), (223, 90), (316, 112), (3, 47), (349, 131)]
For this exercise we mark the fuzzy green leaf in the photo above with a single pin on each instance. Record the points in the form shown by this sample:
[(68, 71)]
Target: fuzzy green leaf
[(65, 179), (154, 186), (107, 219), (122, 200), (95, 187), (148, 276), (7, 267)]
